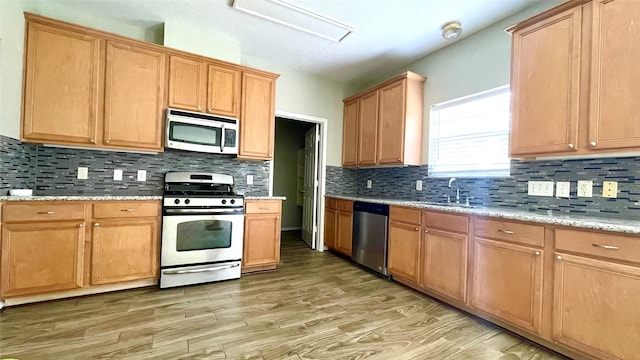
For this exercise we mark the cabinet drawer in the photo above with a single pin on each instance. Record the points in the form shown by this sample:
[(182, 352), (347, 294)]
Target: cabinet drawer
[(262, 206), (406, 215), (345, 205), (125, 209), (449, 222), (42, 211), (618, 247), (331, 203), (510, 231)]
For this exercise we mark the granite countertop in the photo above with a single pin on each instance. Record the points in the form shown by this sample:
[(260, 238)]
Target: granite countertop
[(586, 222), (78, 198), (283, 198)]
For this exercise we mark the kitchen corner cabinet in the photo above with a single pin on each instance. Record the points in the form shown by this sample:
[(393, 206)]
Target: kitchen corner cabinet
[(574, 80), (262, 225), (103, 93), (197, 85), (257, 116), (338, 234), (384, 123)]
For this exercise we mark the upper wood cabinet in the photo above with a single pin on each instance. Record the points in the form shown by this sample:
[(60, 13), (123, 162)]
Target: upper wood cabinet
[(574, 80), (61, 85), (387, 129), (134, 97), (196, 85), (257, 117)]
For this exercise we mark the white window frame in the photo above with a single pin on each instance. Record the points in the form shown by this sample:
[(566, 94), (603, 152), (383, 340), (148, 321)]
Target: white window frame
[(443, 168)]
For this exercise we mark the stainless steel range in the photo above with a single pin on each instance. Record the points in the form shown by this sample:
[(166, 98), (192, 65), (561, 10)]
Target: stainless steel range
[(202, 229)]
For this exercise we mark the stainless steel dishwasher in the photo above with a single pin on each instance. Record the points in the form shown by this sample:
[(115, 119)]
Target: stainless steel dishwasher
[(370, 229)]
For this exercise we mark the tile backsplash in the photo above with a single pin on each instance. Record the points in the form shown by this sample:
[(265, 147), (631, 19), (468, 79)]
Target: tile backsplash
[(508, 192), (53, 171)]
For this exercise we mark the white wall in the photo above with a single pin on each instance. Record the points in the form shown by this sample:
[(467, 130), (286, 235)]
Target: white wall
[(183, 37)]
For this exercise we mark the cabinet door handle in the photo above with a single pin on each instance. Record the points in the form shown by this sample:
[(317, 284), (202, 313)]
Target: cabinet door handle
[(570, 146), (108, 141), (277, 217), (426, 231), (80, 225), (559, 257), (96, 224), (45, 212), (199, 108), (92, 141), (593, 144), (210, 110), (128, 210), (508, 232), (269, 155), (608, 247), (536, 253)]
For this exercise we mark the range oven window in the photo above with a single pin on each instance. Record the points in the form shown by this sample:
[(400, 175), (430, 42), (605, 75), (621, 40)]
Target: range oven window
[(203, 235), (195, 134)]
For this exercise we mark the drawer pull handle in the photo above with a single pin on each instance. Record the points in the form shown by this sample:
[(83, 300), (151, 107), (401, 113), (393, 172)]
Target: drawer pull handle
[(508, 232), (96, 224), (417, 229), (45, 212), (608, 247), (128, 210)]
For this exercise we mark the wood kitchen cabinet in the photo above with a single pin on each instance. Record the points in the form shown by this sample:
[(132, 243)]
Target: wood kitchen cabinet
[(338, 225), (330, 223), (125, 241), (403, 258), (197, 85), (574, 80), (388, 125), (262, 227), (257, 117), (596, 291), (344, 231)]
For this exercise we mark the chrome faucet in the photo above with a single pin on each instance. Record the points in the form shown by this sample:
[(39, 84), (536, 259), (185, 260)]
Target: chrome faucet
[(451, 182)]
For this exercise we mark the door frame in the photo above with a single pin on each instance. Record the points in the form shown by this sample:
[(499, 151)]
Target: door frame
[(322, 160)]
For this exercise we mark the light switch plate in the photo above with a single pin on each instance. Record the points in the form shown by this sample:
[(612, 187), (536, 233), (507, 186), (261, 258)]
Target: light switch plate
[(563, 189), (369, 184), (249, 179), (117, 175), (142, 175), (585, 188), (83, 173), (419, 185), (610, 189)]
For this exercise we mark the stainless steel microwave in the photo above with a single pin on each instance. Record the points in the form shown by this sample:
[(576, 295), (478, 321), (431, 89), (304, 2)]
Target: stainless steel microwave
[(193, 131)]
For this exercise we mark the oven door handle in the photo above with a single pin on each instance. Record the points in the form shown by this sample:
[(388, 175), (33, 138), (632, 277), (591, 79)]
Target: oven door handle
[(208, 269), (204, 211)]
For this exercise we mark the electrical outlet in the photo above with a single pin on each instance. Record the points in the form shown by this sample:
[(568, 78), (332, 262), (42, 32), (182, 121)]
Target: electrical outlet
[(419, 185), (142, 175), (368, 184), (117, 175), (563, 189), (540, 188), (83, 173), (610, 189), (249, 179), (585, 188)]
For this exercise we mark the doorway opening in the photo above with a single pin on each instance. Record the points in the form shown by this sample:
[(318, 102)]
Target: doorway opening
[(298, 174)]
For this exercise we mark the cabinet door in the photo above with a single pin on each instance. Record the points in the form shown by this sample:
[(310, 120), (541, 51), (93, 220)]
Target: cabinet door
[(391, 123), (615, 77), (444, 264), (187, 84), (344, 232), (545, 85), (595, 308), (134, 97), (403, 257), (261, 240), (507, 282), (330, 222), (124, 250), (60, 86), (42, 257), (350, 133), (223, 91), (257, 119), (368, 129)]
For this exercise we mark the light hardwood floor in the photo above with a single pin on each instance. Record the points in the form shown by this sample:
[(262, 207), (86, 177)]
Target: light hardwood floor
[(315, 306)]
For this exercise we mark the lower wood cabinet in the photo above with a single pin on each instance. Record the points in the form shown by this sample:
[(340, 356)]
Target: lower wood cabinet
[(330, 223), (404, 250), (261, 235), (444, 263), (344, 231), (338, 225)]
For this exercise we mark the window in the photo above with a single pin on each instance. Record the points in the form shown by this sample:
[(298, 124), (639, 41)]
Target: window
[(470, 136)]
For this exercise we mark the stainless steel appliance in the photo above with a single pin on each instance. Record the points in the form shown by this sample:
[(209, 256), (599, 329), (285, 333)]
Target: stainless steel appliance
[(370, 231), (193, 131), (202, 229)]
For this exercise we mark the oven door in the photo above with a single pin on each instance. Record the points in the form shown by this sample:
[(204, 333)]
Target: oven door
[(199, 239)]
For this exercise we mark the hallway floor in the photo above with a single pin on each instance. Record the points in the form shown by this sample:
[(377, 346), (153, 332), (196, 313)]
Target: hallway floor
[(315, 306)]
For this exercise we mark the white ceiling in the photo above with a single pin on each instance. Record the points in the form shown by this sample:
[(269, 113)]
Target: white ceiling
[(388, 33)]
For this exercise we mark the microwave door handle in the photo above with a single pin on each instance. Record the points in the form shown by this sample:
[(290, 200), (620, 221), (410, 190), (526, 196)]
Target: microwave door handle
[(222, 136)]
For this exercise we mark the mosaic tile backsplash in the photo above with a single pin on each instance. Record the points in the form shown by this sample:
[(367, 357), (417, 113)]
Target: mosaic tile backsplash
[(511, 192), (53, 170)]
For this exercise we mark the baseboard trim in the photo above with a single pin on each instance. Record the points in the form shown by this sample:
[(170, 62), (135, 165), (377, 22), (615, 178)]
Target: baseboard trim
[(291, 228)]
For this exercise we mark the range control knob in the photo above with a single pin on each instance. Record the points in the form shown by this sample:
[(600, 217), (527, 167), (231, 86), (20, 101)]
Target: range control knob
[(224, 202), (187, 201), (233, 201), (176, 201)]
